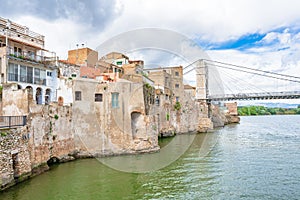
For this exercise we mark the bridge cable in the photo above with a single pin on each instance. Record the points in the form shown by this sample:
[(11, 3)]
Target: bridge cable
[(239, 66), (285, 79)]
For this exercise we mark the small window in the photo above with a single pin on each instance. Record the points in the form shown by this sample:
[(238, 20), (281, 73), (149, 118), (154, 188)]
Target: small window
[(73, 75), (177, 99), (49, 73), (119, 62), (176, 85), (77, 95), (176, 73), (98, 97), (115, 100)]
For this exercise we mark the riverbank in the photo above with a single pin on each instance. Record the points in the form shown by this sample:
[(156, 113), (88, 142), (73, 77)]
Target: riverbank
[(262, 110)]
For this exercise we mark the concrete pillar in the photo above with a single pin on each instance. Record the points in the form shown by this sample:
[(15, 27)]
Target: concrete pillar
[(201, 79)]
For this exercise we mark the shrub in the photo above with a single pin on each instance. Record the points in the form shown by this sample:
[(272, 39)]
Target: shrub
[(177, 106)]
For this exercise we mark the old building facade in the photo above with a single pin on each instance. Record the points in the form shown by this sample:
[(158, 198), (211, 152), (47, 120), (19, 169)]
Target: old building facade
[(25, 61)]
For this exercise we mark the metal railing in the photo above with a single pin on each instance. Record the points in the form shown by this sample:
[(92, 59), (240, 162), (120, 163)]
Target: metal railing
[(12, 121), (30, 56), (255, 96)]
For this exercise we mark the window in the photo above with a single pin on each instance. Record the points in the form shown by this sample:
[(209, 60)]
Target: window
[(115, 100), (36, 76), (29, 75), (77, 95), (98, 97), (73, 75), (13, 72), (42, 77), (49, 73), (23, 74), (176, 85), (119, 62), (167, 81), (176, 73), (177, 99)]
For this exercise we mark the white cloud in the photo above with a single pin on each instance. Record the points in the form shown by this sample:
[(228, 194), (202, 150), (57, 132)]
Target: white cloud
[(209, 21)]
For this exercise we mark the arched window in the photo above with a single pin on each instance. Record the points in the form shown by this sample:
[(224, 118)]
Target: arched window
[(38, 96), (48, 96)]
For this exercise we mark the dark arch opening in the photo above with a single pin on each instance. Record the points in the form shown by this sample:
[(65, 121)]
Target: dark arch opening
[(30, 92), (52, 161), (38, 95), (136, 118), (47, 96)]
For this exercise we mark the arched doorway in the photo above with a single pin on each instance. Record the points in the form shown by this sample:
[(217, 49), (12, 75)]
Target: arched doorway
[(48, 96), (38, 96), (30, 92), (136, 123)]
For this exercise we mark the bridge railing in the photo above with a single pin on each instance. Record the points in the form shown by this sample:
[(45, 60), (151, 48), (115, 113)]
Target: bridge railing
[(264, 95), (12, 121)]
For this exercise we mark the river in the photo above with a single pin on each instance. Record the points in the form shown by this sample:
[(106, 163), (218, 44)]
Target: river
[(256, 159)]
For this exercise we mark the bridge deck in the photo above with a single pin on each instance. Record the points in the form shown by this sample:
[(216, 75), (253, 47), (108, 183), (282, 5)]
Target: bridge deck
[(254, 96)]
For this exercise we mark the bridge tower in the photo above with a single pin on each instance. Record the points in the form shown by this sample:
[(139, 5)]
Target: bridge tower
[(205, 120), (201, 81)]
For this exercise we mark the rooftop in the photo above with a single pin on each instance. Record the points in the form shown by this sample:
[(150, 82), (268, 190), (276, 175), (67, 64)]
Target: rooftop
[(20, 33)]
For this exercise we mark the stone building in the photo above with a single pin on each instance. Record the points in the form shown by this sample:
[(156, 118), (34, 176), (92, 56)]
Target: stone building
[(116, 58), (83, 57), (168, 78), (23, 60), (111, 119), (67, 69), (191, 90)]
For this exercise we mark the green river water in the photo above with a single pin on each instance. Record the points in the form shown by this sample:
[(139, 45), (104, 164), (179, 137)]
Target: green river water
[(256, 159)]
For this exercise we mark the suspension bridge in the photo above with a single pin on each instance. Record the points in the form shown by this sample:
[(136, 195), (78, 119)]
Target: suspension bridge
[(215, 83)]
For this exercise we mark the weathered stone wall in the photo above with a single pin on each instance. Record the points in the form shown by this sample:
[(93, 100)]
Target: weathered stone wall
[(232, 108), (232, 113), (218, 116), (106, 128), (191, 117), (14, 156), (14, 101), (51, 135)]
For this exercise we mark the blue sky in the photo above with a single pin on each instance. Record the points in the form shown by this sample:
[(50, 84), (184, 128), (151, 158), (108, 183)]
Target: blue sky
[(260, 34)]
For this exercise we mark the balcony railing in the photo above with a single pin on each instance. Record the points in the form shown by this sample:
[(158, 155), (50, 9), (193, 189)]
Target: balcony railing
[(12, 121), (30, 56)]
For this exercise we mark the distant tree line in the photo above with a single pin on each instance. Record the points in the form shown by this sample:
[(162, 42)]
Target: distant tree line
[(261, 110)]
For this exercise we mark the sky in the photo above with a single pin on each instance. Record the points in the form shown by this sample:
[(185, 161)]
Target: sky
[(253, 33)]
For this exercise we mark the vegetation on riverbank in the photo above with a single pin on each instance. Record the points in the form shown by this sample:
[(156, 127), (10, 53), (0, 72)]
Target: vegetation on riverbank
[(261, 110)]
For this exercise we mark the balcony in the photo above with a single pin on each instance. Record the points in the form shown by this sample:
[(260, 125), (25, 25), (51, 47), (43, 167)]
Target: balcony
[(31, 56), (26, 79)]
